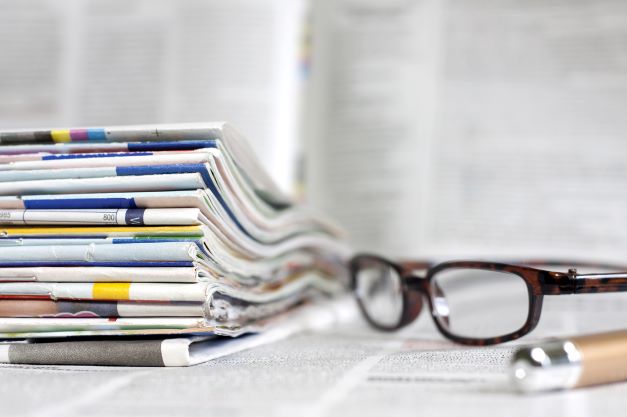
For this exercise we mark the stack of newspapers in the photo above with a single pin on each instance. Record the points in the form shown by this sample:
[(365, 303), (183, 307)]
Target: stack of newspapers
[(129, 245)]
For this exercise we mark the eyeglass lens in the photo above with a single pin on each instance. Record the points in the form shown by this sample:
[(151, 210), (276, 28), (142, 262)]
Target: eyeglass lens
[(476, 303), (379, 289)]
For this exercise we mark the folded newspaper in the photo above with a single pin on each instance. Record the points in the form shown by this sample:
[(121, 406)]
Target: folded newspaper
[(127, 243)]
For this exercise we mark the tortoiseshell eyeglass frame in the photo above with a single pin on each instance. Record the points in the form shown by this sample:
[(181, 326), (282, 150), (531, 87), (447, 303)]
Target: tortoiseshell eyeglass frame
[(539, 283)]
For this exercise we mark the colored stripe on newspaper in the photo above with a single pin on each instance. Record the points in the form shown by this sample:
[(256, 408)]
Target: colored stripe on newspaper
[(93, 155), (113, 147), (120, 352), (106, 291), (95, 309), (172, 146), (187, 231), (78, 135), (27, 264), (79, 203)]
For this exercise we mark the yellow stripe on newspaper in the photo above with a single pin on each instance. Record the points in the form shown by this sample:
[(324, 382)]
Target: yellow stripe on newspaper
[(173, 230), (111, 290), (61, 135)]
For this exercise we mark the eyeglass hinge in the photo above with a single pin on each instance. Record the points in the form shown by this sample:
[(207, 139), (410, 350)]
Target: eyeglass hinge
[(572, 277)]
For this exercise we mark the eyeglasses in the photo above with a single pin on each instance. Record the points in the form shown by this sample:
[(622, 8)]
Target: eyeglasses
[(472, 303)]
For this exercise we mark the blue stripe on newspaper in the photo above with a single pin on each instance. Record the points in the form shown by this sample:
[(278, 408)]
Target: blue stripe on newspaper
[(25, 241), (17, 264), (181, 169), (171, 146), (79, 203), (134, 217), (96, 135), (93, 155)]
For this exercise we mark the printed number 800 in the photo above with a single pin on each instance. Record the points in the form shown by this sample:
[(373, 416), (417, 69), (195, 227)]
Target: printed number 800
[(108, 217)]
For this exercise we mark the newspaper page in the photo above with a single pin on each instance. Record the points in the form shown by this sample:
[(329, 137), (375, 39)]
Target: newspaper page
[(472, 127), (100, 62)]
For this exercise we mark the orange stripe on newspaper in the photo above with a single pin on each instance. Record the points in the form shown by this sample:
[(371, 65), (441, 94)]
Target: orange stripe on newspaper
[(111, 290)]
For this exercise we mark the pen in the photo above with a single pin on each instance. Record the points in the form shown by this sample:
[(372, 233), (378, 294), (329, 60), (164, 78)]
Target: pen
[(571, 363)]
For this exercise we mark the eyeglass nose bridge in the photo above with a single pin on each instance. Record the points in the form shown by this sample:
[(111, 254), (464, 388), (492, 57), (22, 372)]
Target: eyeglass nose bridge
[(420, 291), (414, 297), (417, 283)]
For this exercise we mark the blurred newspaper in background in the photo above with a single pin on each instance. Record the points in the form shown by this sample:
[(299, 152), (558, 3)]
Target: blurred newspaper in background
[(102, 62), (472, 127), (432, 127)]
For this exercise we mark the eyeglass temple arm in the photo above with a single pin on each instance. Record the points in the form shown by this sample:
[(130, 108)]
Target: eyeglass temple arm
[(555, 283), (567, 263), (592, 283)]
